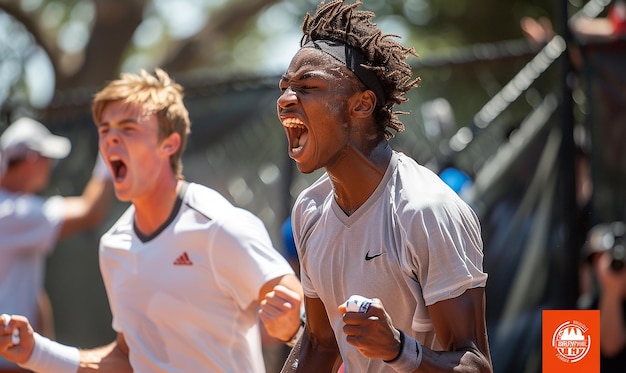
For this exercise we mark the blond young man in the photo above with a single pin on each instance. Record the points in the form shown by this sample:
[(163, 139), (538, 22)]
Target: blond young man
[(185, 271)]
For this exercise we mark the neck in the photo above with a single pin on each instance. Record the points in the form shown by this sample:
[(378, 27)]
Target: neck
[(356, 175), (154, 208)]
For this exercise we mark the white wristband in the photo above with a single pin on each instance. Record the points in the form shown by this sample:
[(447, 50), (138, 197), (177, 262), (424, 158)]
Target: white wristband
[(410, 356), (101, 170), (52, 357)]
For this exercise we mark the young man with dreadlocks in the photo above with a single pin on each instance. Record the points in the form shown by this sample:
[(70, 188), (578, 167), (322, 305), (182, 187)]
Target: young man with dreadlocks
[(376, 224)]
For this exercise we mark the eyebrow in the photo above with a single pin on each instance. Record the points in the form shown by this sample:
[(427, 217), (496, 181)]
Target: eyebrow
[(123, 121), (314, 74)]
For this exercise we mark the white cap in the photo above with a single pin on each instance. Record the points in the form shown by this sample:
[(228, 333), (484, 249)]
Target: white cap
[(27, 134)]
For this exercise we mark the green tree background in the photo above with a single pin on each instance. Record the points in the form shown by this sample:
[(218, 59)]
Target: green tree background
[(228, 54), (88, 42)]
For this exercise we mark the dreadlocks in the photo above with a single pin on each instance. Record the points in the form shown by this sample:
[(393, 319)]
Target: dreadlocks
[(340, 22)]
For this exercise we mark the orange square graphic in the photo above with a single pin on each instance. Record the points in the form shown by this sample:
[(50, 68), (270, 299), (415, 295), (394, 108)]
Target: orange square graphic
[(570, 341)]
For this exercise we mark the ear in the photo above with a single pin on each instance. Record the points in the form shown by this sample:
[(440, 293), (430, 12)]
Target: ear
[(363, 104), (171, 144)]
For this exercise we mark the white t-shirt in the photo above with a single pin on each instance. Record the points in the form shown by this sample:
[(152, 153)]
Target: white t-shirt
[(29, 229), (185, 298), (413, 243)]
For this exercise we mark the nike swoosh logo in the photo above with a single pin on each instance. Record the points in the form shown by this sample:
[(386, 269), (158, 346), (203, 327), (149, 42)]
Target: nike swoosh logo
[(368, 257)]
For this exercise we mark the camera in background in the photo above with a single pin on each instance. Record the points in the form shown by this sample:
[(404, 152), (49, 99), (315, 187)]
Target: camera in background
[(608, 237)]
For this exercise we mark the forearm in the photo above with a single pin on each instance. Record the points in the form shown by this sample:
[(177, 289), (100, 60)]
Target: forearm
[(89, 209), (48, 356), (612, 328), (319, 351), (317, 358), (109, 358), (413, 357), (471, 360), (97, 196)]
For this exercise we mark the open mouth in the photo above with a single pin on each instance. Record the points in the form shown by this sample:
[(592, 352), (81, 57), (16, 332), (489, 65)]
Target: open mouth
[(118, 167), (297, 134)]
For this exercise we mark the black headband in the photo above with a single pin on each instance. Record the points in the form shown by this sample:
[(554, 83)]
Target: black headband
[(353, 59)]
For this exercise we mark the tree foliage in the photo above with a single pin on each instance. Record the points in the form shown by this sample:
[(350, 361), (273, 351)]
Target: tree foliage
[(88, 42)]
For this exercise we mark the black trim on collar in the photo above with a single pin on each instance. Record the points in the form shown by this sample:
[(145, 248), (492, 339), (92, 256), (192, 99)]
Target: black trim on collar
[(179, 202)]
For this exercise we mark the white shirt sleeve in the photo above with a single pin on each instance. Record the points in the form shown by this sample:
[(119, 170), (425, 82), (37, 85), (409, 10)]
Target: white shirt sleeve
[(246, 259), (31, 224)]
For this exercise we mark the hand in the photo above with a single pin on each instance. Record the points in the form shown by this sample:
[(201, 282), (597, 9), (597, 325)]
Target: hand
[(537, 31), (21, 352), (612, 282), (372, 332), (280, 312)]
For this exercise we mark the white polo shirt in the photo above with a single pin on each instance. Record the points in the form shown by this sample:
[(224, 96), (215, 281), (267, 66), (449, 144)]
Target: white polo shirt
[(413, 243), (185, 298)]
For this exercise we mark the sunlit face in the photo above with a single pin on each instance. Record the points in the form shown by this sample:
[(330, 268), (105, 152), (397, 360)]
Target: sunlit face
[(129, 142), (313, 108)]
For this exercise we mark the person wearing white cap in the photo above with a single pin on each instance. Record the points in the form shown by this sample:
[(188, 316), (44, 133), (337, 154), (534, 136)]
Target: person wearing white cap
[(26, 134), (31, 225)]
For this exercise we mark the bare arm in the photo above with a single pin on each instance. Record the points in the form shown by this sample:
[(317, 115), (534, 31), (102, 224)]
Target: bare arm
[(89, 209), (460, 327), (319, 353), (593, 29), (45, 315), (280, 301), (612, 293), (459, 324), (110, 358)]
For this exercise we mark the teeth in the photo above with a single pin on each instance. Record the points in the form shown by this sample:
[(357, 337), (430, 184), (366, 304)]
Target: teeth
[(293, 123), (114, 158)]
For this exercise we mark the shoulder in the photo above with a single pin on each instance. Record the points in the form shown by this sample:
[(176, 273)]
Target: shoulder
[(418, 189), (207, 201), (123, 225), (215, 207), (310, 203), (409, 171), (417, 185), (316, 194)]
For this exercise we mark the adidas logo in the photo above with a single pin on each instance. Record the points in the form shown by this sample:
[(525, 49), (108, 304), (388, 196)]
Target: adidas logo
[(183, 260)]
